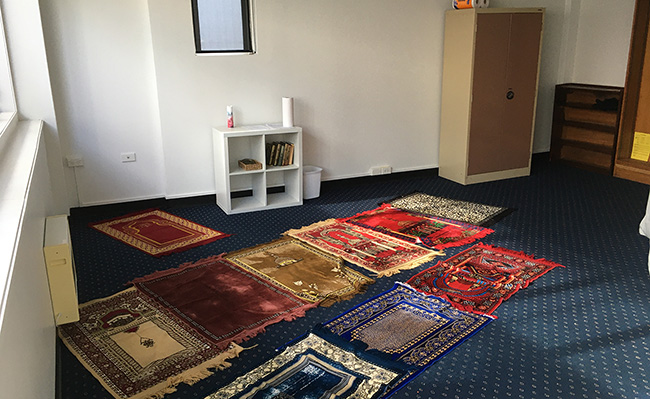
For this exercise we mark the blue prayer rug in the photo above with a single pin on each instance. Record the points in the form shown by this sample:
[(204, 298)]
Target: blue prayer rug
[(406, 325), (314, 368)]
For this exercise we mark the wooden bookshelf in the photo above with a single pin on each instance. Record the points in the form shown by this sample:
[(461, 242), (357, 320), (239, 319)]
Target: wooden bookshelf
[(585, 125), (636, 99)]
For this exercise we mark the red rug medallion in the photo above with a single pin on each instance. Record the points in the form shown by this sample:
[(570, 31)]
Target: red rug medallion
[(480, 278), (158, 233)]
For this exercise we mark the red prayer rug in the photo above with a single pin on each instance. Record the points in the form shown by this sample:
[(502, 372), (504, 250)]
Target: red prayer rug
[(139, 350), (221, 300), (377, 252), (480, 278), (431, 231), (158, 233)]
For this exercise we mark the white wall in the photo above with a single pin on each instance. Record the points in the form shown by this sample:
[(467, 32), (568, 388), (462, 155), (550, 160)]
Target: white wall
[(365, 76), (602, 42), (101, 65)]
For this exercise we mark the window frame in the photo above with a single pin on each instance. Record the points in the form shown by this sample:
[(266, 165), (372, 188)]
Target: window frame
[(247, 25)]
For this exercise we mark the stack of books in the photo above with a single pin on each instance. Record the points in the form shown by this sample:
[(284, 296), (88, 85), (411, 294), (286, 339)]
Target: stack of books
[(279, 153)]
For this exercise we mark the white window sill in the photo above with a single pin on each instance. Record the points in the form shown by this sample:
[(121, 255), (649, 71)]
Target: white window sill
[(19, 143)]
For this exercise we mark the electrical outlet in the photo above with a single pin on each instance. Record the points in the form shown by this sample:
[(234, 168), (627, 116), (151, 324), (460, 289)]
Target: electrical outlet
[(128, 157), (73, 161), (381, 170)]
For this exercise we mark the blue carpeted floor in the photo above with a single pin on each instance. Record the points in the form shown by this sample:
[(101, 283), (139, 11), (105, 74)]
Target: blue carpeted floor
[(581, 332)]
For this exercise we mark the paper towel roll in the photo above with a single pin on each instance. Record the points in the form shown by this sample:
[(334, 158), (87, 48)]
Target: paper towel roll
[(460, 4), (287, 111)]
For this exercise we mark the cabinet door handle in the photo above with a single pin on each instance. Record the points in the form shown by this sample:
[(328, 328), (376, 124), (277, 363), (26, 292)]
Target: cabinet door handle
[(510, 95)]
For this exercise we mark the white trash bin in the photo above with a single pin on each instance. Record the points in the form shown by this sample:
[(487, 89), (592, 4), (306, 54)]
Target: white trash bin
[(311, 181)]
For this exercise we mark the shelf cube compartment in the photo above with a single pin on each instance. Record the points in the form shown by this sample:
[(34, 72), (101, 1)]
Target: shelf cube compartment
[(247, 192), (283, 187), (245, 147), (271, 139)]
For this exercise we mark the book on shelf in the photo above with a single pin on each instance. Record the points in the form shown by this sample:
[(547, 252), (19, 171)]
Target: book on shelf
[(291, 149), (279, 162), (249, 164), (269, 159), (287, 151), (268, 153)]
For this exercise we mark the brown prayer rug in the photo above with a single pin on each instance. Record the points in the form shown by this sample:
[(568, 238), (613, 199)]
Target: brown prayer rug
[(137, 349), (377, 252), (312, 274)]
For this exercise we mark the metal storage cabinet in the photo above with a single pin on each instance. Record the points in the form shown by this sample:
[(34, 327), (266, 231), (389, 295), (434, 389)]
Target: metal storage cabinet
[(489, 93)]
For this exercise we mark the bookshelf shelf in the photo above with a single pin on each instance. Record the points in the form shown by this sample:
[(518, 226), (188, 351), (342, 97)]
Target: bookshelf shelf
[(585, 125), (240, 190)]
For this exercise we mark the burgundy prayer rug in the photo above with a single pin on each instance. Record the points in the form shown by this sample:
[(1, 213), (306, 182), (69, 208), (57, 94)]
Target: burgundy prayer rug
[(137, 349), (306, 271), (431, 231), (377, 252), (158, 233), (480, 278), (221, 300)]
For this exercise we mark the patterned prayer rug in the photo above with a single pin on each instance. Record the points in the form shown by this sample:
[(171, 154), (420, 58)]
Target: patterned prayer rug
[(158, 233), (315, 368), (462, 211), (137, 350), (221, 300), (409, 326), (377, 252), (480, 278), (431, 231), (309, 273)]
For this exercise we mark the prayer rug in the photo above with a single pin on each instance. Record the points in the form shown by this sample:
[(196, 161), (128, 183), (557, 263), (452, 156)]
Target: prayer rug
[(221, 300), (315, 368), (431, 231), (480, 278), (377, 252), (136, 349), (309, 273), (462, 211), (157, 233), (408, 326)]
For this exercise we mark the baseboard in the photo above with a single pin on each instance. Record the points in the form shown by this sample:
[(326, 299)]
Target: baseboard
[(209, 197)]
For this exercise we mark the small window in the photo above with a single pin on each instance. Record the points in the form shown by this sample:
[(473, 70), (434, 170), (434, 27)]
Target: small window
[(222, 26)]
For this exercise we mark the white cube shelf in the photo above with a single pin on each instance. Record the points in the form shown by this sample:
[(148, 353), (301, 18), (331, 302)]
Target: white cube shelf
[(240, 190)]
